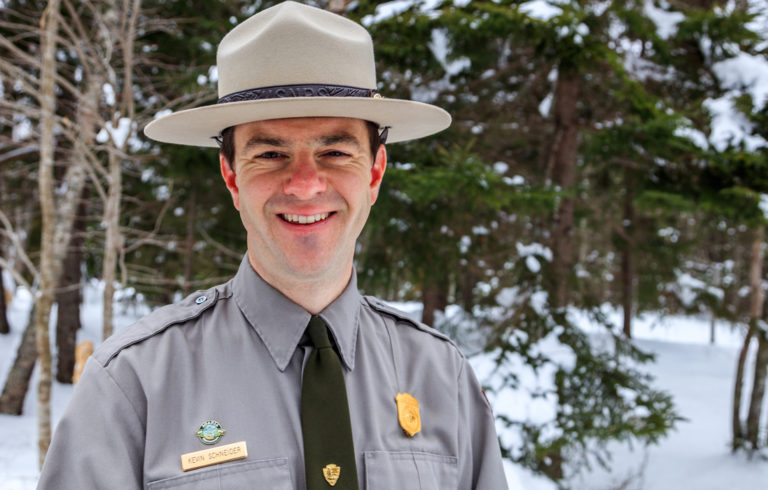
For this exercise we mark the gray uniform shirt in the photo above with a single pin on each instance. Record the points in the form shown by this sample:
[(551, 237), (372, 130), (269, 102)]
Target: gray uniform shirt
[(235, 354)]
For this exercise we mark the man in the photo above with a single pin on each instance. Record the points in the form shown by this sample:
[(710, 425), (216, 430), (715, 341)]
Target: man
[(231, 388)]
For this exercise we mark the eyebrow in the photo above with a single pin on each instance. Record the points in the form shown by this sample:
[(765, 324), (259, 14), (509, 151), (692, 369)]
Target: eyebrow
[(263, 140), (342, 137)]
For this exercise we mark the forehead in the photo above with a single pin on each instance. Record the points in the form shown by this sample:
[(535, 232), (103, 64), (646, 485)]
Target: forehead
[(301, 128)]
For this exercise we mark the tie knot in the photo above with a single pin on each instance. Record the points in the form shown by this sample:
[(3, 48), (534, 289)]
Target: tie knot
[(318, 332)]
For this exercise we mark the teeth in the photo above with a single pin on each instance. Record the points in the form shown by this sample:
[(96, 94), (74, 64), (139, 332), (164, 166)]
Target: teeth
[(305, 220)]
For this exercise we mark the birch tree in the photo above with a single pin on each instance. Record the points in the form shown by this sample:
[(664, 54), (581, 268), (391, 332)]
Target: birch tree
[(48, 268), (57, 207), (759, 331)]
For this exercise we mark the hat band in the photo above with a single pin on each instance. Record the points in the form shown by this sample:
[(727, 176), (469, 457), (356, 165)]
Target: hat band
[(308, 90)]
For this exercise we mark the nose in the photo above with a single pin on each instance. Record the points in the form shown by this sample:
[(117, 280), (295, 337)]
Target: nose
[(305, 180)]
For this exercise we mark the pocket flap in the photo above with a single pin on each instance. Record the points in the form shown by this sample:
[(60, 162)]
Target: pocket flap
[(385, 470), (271, 474)]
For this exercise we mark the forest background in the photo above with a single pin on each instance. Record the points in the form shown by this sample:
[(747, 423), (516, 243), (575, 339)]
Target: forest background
[(603, 153)]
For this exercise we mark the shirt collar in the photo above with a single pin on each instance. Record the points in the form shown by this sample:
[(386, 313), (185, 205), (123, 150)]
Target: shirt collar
[(281, 323)]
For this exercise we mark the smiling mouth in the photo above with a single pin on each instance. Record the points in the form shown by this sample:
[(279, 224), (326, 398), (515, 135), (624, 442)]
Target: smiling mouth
[(298, 219)]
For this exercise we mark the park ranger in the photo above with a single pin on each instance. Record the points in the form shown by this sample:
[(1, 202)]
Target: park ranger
[(285, 377)]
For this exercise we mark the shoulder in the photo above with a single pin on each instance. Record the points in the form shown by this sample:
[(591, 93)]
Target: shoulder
[(187, 310), (402, 319)]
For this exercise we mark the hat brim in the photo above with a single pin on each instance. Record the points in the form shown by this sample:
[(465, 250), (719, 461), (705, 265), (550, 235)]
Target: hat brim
[(407, 120)]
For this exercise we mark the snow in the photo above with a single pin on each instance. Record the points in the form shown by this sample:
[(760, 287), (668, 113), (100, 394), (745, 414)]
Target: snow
[(120, 133), (540, 10), (742, 73), (699, 376), (500, 167), (730, 127), (534, 249), (440, 48), (695, 136), (213, 74), (696, 455), (109, 94), (464, 243), (764, 204), (516, 180), (387, 10), (22, 130), (688, 289), (162, 113), (546, 104), (532, 264), (745, 71), (666, 22)]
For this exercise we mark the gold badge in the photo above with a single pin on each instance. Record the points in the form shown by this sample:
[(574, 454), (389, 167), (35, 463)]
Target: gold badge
[(408, 413), (331, 473)]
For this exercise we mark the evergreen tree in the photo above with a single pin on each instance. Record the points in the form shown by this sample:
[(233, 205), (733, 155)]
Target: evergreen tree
[(498, 71)]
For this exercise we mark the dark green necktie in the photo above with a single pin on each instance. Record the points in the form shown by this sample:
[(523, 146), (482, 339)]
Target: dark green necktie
[(329, 453)]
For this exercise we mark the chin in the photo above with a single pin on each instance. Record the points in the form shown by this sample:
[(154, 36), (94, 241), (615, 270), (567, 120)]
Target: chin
[(315, 269)]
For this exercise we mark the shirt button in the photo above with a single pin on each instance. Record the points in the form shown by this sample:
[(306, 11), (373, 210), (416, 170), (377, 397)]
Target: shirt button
[(200, 300)]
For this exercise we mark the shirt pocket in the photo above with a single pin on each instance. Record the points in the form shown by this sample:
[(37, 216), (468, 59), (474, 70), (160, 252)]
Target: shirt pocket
[(410, 470), (265, 474)]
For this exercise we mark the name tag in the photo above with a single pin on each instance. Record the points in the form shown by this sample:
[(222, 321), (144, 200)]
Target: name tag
[(214, 455)]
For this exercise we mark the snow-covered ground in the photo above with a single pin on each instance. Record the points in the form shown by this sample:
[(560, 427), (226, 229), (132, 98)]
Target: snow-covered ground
[(696, 455)]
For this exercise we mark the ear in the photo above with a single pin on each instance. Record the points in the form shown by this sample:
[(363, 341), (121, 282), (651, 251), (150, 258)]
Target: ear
[(377, 172), (230, 180)]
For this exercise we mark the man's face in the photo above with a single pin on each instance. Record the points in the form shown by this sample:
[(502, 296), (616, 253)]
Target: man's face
[(304, 188)]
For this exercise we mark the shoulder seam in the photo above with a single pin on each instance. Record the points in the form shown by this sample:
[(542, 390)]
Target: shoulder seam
[(196, 312), (396, 314), (119, 388)]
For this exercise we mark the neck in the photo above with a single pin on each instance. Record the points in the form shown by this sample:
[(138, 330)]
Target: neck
[(311, 294)]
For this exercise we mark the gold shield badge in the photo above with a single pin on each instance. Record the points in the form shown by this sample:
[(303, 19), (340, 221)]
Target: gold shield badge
[(408, 413), (331, 473)]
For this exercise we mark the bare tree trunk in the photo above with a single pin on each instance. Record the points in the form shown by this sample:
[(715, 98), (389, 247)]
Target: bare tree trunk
[(22, 221), (17, 382), (69, 298), (562, 166), (737, 429), (627, 259), (433, 298), (113, 241), (189, 242), (429, 305), (713, 311), (758, 392), (761, 359), (468, 282), (5, 327), (49, 28), (755, 312)]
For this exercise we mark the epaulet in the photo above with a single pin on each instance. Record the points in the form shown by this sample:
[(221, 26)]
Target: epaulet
[(159, 320), (402, 317)]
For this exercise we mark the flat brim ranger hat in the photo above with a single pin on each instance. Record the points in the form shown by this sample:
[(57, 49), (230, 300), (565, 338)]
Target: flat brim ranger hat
[(293, 60)]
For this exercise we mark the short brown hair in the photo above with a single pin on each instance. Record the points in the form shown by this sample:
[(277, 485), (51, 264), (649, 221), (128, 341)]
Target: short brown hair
[(227, 141)]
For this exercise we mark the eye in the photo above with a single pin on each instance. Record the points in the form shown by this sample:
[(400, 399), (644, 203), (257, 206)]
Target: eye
[(269, 155), (335, 153)]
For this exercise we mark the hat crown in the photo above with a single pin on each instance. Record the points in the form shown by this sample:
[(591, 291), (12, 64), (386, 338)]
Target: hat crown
[(292, 60), (294, 44)]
